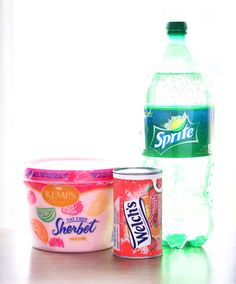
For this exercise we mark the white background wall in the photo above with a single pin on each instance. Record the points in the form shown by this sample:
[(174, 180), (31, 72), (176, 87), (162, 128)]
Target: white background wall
[(74, 78)]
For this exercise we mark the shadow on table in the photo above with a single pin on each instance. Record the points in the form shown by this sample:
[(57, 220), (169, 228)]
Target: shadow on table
[(177, 266), (184, 266)]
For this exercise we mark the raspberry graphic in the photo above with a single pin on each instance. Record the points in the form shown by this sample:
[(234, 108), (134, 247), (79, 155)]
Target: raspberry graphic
[(73, 209), (56, 242), (31, 197)]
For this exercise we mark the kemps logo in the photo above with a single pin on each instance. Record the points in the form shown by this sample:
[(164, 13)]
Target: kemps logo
[(60, 195), (135, 216), (177, 130)]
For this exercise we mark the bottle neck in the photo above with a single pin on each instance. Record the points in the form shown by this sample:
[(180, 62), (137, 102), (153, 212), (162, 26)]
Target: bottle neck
[(177, 58), (177, 38)]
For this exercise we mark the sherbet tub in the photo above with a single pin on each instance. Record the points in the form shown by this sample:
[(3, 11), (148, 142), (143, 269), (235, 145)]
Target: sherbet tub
[(70, 204)]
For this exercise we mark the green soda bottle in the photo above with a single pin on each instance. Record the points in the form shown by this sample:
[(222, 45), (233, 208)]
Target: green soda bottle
[(178, 129)]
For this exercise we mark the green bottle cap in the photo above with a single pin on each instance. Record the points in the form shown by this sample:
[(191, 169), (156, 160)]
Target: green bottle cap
[(176, 28)]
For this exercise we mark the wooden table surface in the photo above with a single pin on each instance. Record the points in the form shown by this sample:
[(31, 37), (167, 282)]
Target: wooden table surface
[(19, 263)]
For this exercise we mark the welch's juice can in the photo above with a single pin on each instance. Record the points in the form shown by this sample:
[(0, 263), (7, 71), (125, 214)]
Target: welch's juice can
[(137, 212)]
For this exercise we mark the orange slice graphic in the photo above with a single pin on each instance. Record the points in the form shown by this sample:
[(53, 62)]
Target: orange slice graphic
[(99, 205), (39, 230)]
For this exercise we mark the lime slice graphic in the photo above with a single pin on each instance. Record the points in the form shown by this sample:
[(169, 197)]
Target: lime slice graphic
[(46, 214), (178, 124)]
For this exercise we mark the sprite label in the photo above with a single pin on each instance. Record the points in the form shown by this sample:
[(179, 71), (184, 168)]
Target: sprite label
[(178, 131)]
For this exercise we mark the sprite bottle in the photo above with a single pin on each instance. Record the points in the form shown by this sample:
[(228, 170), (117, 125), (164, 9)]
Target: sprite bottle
[(178, 129)]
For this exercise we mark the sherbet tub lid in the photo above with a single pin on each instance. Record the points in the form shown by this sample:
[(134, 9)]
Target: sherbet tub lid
[(79, 171)]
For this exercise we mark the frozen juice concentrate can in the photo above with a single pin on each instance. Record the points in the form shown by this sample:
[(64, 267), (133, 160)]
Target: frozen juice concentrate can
[(137, 212)]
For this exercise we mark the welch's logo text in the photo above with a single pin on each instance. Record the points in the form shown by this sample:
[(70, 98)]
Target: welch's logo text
[(135, 216), (178, 130)]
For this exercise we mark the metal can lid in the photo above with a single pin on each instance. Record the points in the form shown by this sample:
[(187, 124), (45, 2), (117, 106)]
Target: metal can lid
[(137, 171), (69, 170)]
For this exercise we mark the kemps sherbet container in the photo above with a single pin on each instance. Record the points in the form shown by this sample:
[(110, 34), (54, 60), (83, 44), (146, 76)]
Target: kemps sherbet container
[(71, 204)]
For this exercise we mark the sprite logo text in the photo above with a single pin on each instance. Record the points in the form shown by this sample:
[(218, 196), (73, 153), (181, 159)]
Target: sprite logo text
[(177, 130)]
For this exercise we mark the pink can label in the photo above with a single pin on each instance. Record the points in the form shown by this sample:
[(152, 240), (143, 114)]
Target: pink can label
[(137, 218)]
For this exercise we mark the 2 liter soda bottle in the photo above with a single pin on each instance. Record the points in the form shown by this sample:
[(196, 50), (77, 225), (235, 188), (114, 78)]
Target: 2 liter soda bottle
[(178, 130)]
